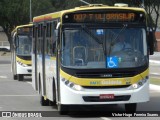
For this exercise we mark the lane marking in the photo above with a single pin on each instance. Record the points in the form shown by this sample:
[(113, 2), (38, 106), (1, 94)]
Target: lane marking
[(29, 83), (154, 87), (4, 77), (104, 118), (154, 61), (155, 73), (18, 95)]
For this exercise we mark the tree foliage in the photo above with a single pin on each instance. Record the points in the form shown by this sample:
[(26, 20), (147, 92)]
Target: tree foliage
[(16, 12), (152, 7)]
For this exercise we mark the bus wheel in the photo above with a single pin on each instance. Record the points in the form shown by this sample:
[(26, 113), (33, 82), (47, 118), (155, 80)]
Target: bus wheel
[(20, 77), (15, 77), (63, 109), (131, 107), (54, 94), (44, 102)]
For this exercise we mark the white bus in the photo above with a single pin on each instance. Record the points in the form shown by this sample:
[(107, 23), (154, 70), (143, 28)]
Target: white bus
[(21, 51), (75, 61)]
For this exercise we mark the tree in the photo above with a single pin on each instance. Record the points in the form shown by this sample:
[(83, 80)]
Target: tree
[(10, 15), (16, 12), (152, 8)]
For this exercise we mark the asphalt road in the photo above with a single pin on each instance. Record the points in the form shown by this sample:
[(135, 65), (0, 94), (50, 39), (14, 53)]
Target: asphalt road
[(20, 96)]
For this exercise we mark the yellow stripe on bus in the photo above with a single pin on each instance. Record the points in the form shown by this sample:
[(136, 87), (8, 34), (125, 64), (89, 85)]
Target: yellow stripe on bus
[(105, 81), (27, 62)]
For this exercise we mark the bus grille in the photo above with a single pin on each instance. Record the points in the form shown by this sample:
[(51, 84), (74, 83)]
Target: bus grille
[(105, 87), (105, 75)]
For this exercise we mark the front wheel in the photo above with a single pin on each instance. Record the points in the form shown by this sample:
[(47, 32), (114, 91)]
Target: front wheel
[(54, 94), (63, 109), (15, 77), (43, 101), (131, 107), (20, 77)]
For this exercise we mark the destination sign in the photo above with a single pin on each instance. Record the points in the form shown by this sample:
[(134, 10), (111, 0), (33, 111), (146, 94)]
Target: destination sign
[(24, 30), (103, 17)]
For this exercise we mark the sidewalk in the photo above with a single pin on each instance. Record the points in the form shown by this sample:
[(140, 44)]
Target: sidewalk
[(155, 60)]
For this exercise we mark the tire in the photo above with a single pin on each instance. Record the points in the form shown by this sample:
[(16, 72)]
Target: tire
[(20, 77), (44, 102), (63, 109), (54, 94), (15, 77), (131, 107)]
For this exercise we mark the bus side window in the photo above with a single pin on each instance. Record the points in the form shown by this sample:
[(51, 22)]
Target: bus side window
[(53, 38)]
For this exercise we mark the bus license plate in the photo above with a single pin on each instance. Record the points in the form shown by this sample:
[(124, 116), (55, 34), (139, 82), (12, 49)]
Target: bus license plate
[(106, 96)]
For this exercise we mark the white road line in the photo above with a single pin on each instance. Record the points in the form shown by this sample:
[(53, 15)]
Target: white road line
[(154, 61), (18, 95), (155, 73), (4, 77), (105, 118), (29, 83), (154, 87)]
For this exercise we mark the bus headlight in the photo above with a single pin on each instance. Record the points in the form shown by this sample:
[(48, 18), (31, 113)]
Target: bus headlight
[(72, 85), (77, 87), (140, 83), (22, 64)]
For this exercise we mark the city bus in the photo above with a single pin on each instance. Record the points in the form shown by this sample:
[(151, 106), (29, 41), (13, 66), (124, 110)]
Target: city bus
[(75, 61), (21, 45)]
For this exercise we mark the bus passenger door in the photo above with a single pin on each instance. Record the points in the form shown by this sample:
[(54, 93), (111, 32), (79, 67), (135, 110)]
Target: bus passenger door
[(34, 59), (43, 61)]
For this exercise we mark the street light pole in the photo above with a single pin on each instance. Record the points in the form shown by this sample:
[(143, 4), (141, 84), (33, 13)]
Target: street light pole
[(84, 2), (30, 10), (143, 3)]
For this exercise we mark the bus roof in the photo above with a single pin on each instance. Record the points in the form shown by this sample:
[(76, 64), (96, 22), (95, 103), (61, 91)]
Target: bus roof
[(21, 26), (59, 14)]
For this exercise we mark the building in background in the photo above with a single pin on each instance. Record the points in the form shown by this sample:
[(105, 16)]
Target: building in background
[(4, 44), (157, 34)]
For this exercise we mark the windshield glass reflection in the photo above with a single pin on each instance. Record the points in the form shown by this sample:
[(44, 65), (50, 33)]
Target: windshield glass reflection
[(24, 44), (104, 48)]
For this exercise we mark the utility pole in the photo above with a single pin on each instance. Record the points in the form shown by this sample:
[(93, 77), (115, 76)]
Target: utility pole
[(84, 2), (30, 6), (142, 3)]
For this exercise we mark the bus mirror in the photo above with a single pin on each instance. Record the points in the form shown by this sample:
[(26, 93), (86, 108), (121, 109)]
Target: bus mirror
[(17, 41), (151, 41)]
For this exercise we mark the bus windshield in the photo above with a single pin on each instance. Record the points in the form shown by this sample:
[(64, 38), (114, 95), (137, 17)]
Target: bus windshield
[(24, 44), (109, 48)]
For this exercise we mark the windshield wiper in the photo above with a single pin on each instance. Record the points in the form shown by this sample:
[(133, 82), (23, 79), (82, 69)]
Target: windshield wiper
[(91, 34), (85, 29)]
